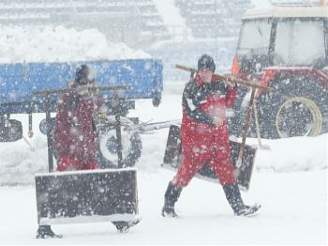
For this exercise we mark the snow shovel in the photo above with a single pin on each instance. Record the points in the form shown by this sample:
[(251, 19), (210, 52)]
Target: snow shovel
[(258, 133), (87, 196)]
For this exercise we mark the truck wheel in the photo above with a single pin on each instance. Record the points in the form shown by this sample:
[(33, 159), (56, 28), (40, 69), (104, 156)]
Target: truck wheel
[(295, 107), (107, 145), (10, 130)]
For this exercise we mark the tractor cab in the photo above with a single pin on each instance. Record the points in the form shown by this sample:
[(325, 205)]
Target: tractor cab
[(284, 36)]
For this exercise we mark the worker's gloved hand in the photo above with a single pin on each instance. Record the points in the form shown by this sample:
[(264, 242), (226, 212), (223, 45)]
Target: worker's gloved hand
[(231, 81), (218, 115), (217, 120), (100, 118), (105, 116), (233, 85), (102, 115)]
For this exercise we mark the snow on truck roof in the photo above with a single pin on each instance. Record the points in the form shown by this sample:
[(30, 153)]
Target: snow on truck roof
[(286, 12)]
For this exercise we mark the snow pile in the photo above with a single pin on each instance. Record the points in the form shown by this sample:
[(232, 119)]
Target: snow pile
[(19, 162), (293, 154), (59, 44)]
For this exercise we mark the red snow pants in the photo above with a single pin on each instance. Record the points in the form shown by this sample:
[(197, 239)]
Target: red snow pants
[(69, 163), (205, 145)]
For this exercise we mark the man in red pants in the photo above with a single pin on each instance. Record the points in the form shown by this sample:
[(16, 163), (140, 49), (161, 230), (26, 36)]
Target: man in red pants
[(205, 137)]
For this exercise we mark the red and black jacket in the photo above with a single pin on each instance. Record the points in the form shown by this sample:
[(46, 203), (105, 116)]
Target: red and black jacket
[(197, 94)]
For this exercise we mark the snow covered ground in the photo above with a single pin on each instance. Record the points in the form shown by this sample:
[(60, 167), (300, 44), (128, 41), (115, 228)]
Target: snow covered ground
[(294, 212), (290, 181)]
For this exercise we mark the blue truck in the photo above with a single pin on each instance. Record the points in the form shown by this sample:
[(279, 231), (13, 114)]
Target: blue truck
[(27, 88)]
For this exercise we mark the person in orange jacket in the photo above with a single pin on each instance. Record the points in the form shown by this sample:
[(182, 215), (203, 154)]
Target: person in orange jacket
[(205, 137)]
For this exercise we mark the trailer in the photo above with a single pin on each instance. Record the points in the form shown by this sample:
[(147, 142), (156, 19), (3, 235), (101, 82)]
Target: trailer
[(28, 88), (19, 81)]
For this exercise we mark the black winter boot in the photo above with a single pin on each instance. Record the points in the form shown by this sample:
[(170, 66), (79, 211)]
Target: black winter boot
[(234, 198), (171, 196), (44, 231), (124, 226)]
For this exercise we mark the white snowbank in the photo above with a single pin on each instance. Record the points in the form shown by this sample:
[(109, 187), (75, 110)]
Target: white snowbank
[(59, 44), (19, 163), (293, 154)]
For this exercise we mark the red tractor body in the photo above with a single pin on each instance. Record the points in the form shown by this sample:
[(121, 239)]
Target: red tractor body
[(285, 48)]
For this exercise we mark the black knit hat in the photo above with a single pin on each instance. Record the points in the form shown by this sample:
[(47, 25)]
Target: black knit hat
[(82, 75), (206, 61)]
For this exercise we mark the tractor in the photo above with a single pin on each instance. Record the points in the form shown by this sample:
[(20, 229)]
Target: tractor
[(285, 47)]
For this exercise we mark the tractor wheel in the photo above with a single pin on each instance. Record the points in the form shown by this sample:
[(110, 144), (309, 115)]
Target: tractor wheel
[(108, 146), (295, 107)]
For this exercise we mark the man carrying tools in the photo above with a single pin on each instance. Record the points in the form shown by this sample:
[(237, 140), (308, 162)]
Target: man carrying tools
[(75, 135), (205, 138)]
